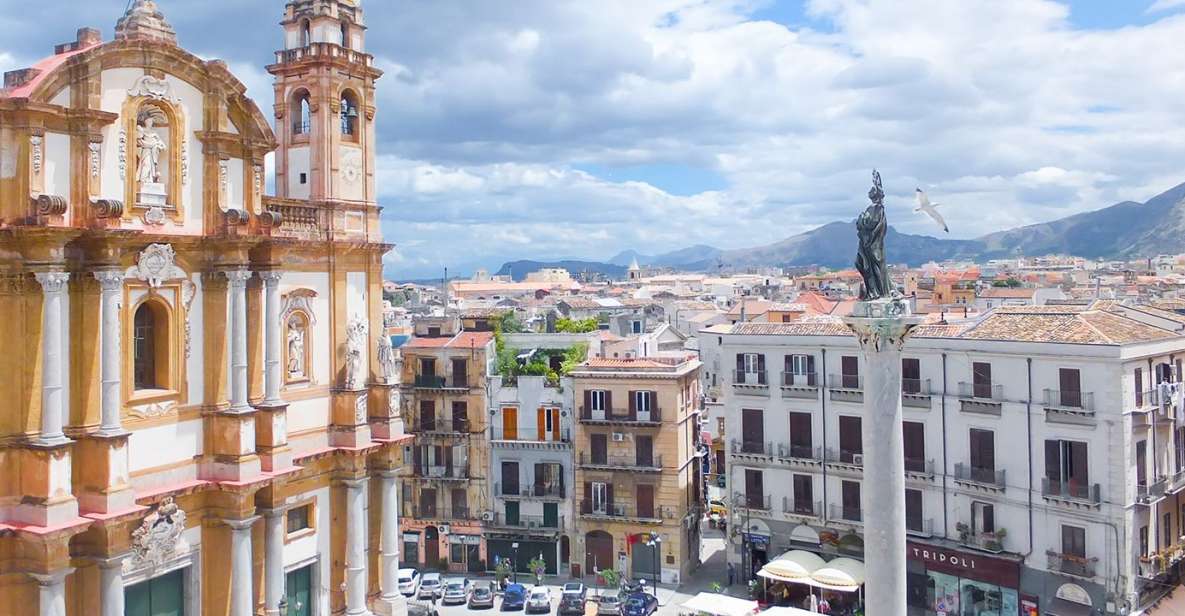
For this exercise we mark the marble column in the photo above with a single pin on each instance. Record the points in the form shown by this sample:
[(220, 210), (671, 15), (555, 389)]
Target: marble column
[(881, 327), (391, 602), (54, 367), (237, 283), (356, 547), (51, 592), (271, 338), (111, 285), (242, 596), (273, 564), (111, 586)]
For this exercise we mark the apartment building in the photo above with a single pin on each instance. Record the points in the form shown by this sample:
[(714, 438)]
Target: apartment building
[(638, 468), (1044, 455), (445, 489)]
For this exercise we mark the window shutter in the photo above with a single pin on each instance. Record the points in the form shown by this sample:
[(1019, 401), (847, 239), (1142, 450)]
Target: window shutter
[(1139, 387), (740, 363), (810, 370), (1078, 463), (609, 496), (1053, 463), (608, 402), (633, 404), (587, 400), (541, 424), (587, 497)]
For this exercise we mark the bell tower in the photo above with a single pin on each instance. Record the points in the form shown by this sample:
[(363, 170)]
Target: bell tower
[(324, 89)]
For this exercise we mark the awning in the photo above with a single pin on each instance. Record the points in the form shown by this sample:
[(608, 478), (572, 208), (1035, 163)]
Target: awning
[(1061, 607), (841, 574), (718, 605), (793, 566)]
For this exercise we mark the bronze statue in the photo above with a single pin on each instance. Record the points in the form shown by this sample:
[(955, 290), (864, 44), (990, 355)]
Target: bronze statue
[(870, 254)]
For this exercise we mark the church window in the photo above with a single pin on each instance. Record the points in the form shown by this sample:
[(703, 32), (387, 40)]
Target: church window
[(349, 115), (150, 346)]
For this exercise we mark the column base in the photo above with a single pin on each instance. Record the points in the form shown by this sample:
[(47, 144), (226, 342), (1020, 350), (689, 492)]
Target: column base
[(271, 436), (47, 485), (349, 413), (101, 471), (386, 419), (391, 606), (230, 441)]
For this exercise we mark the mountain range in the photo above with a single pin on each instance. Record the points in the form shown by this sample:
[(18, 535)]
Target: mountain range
[(1121, 231)]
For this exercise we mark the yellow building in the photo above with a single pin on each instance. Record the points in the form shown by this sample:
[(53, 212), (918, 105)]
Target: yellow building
[(199, 418), (445, 487), (638, 472)]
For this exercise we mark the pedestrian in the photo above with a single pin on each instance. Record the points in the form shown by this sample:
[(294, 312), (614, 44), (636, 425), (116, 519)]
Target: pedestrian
[(732, 574)]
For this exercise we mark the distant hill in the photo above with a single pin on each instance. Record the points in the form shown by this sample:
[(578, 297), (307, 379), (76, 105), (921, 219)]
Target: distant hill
[(518, 270), (696, 257)]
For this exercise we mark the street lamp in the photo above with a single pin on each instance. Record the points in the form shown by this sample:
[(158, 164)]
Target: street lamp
[(656, 543), (514, 561)]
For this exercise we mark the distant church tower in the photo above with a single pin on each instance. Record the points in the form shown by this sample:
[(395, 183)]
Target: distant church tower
[(635, 272), (325, 102)]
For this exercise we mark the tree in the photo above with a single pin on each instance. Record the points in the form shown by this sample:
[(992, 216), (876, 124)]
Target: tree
[(612, 577), (539, 567), (565, 325)]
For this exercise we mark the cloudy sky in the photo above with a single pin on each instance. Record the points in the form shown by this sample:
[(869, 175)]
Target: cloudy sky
[(578, 128)]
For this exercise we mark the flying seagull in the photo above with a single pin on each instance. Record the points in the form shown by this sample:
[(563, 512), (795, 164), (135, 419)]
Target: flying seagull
[(924, 205)]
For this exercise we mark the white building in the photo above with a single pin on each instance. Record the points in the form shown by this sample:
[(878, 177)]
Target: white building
[(1042, 472)]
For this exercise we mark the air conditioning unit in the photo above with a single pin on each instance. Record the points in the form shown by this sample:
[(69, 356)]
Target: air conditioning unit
[(444, 529), (858, 459), (487, 516), (618, 437)]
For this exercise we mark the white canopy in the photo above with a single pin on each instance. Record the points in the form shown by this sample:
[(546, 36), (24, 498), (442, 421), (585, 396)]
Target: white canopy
[(793, 566), (841, 574), (718, 605)]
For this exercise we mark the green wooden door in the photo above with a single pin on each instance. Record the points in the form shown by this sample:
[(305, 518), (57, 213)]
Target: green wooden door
[(160, 596), (300, 591), (512, 513), (551, 515)]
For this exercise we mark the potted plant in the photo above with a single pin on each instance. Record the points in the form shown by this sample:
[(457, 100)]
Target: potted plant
[(539, 567), (501, 572), (612, 578)]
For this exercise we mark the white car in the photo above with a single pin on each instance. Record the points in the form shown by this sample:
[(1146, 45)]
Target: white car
[(409, 582), (430, 586), (538, 600), (456, 590)]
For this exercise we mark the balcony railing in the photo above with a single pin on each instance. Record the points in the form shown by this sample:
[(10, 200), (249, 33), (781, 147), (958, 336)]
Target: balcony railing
[(420, 512), (1069, 400), (799, 452), (522, 490), (441, 426), (915, 387), (616, 510), (299, 220), (988, 542), (919, 526), (756, 502), (459, 471), (844, 456), (587, 415), (846, 514), (753, 448), (853, 382), (919, 466), (750, 379), (981, 391), (1149, 492), (531, 435), (1069, 564), (802, 508), (983, 476), (1071, 490), (527, 522), (791, 379), (637, 463), (433, 381), (323, 50)]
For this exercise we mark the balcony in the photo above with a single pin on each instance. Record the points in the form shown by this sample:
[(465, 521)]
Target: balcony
[(755, 502), (985, 541), (919, 468), (298, 220), (805, 386), (805, 510), (531, 438), (1069, 407), (752, 449), (429, 513), (915, 393), (988, 478), (920, 527), (455, 427), (844, 457), (644, 464), (1071, 565), (799, 453), (1072, 492), (846, 388), (652, 417), (458, 472), (535, 491), (750, 383), (536, 523), (433, 381), (333, 51), (1148, 493), (851, 515), (982, 398), (620, 512)]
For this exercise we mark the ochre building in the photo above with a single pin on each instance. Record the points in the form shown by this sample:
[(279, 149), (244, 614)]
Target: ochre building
[(200, 413)]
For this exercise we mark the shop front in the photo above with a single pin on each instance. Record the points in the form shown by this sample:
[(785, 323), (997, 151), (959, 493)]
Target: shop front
[(464, 553), (503, 548), (947, 581)]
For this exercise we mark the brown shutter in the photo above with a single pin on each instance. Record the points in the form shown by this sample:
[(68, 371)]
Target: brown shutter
[(810, 369), (740, 364), (555, 425), (633, 405), (608, 402), (1079, 472), (1053, 461), (1139, 387), (609, 496), (761, 369), (540, 424), (587, 506), (587, 403), (645, 501)]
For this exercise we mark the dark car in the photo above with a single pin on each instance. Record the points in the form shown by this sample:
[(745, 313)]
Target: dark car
[(514, 597), (571, 603), (639, 604)]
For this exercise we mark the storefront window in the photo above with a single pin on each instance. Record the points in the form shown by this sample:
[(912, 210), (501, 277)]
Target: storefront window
[(944, 593), (981, 599)]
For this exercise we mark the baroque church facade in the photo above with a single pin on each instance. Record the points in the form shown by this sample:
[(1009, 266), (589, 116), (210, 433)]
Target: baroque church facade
[(201, 412)]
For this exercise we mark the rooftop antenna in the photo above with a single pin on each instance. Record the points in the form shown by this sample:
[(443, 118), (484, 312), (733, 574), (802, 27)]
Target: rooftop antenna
[(445, 287)]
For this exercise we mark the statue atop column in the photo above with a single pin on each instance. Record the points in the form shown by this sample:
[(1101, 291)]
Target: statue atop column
[(870, 254)]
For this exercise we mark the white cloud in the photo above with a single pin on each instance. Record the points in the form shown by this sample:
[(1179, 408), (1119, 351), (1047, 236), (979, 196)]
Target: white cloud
[(1164, 5)]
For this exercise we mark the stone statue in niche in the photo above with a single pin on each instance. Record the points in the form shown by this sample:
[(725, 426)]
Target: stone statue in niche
[(296, 342), (387, 359), (355, 346), (150, 149)]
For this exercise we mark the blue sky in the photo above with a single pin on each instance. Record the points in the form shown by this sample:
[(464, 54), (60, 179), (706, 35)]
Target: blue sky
[(570, 128)]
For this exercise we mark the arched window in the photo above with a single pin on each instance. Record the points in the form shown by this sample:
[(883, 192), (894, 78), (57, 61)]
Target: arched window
[(149, 347), (302, 118), (349, 115), (305, 34)]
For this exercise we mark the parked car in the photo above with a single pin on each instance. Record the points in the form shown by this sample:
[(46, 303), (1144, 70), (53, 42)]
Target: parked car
[(415, 608), (409, 582), (456, 590), (481, 595), (539, 600), (717, 507), (639, 604), (575, 588), (571, 604), (609, 605), (514, 597), (430, 586)]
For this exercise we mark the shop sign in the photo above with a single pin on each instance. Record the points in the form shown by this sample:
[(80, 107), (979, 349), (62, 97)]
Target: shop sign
[(974, 566), (761, 541), (411, 536)]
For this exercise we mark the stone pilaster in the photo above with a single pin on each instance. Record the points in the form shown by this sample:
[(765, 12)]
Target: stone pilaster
[(54, 367), (390, 602), (51, 592), (111, 592), (273, 564), (242, 595), (111, 339), (272, 329), (356, 547), (237, 290)]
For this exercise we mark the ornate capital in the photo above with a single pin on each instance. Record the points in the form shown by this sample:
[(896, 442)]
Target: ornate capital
[(237, 278), (271, 278), (110, 280), (882, 322), (241, 525), (52, 282)]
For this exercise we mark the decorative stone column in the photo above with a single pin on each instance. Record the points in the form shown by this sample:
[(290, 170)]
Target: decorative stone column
[(111, 285), (51, 592), (237, 282), (54, 368), (356, 547), (111, 601), (273, 564), (391, 602), (271, 338), (242, 595), (881, 327)]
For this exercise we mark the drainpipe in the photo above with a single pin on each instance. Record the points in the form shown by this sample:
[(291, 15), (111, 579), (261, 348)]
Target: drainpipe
[(1029, 442), (823, 401), (945, 521)]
